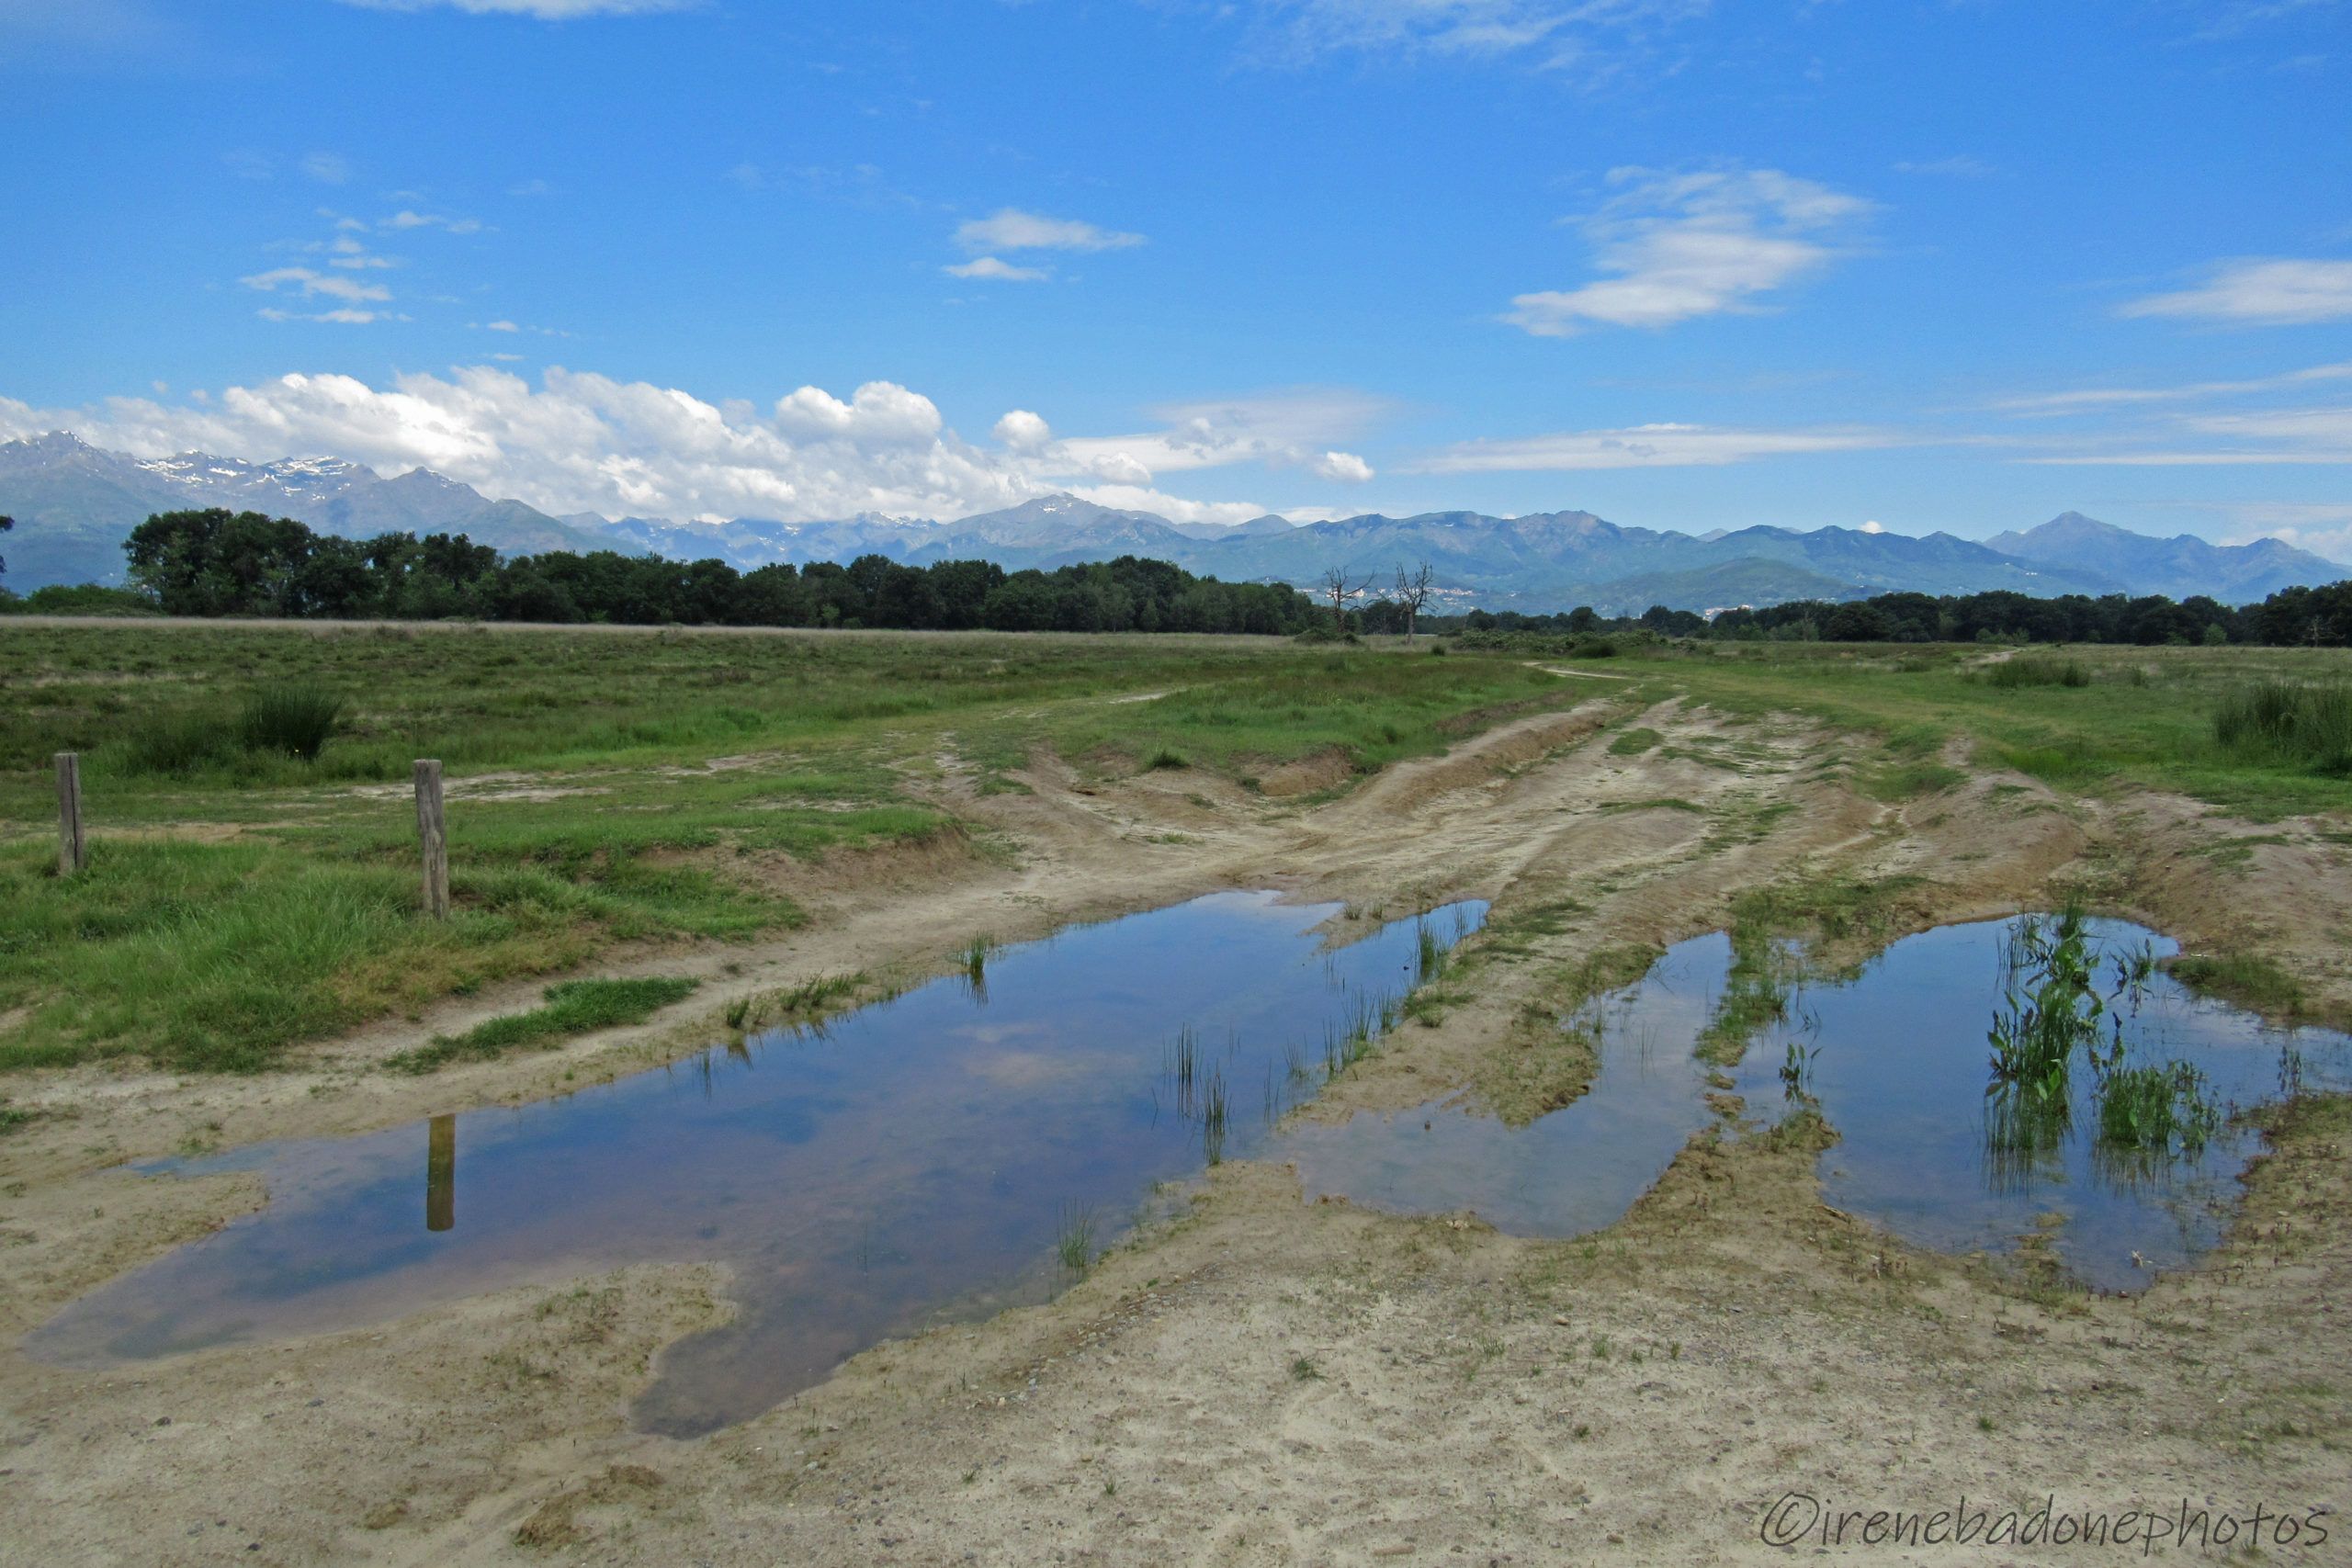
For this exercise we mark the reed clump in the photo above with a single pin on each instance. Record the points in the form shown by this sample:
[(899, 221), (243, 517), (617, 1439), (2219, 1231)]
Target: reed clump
[(2311, 724), (292, 720)]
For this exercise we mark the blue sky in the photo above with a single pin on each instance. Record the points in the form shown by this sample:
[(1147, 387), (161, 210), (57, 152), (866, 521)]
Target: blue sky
[(1955, 265)]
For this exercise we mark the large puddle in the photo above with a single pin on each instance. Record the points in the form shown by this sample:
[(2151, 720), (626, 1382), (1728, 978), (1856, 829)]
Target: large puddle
[(966, 1146), (935, 1154), (1934, 1144)]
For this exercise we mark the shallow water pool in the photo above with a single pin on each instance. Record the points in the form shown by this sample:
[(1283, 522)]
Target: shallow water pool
[(923, 1156), (1896, 1058)]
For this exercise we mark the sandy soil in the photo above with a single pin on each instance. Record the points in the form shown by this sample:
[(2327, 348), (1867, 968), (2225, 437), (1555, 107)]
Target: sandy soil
[(1263, 1381)]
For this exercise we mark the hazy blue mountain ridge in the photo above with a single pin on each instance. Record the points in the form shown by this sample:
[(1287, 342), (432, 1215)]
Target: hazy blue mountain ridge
[(75, 503)]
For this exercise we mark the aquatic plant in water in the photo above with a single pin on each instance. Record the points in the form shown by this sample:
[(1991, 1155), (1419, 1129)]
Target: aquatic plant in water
[(2050, 1007), (2156, 1108), (2052, 1010)]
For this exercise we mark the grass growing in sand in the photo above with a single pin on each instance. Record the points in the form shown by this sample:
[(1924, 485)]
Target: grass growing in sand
[(606, 788), (573, 1007)]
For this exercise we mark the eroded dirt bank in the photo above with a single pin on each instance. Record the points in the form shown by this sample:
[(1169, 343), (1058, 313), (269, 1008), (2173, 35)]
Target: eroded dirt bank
[(1263, 1380)]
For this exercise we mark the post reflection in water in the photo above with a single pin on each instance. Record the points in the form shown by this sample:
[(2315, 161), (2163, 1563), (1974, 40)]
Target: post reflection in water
[(441, 1175), (922, 1159)]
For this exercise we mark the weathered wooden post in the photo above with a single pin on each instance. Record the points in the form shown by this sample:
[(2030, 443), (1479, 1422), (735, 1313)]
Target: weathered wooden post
[(433, 837), (72, 849), (441, 1175)]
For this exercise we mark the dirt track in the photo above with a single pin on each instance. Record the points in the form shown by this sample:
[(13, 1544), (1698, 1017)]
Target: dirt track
[(1473, 1397)]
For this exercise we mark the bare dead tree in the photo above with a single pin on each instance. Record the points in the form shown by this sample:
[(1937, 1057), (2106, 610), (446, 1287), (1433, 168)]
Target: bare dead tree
[(1342, 587), (1413, 593)]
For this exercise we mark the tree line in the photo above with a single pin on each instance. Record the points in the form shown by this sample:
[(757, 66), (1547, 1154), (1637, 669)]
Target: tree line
[(216, 562), (222, 563), (2293, 616)]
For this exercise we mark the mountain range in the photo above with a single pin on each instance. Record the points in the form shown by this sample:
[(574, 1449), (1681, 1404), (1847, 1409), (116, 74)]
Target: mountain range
[(75, 503)]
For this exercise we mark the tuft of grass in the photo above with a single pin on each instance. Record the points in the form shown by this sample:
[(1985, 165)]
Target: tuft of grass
[(2306, 723), (1213, 1114), (573, 1006), (1429, 960), (1165, 759), (1304, 1369), (2035, 670), (974, 960), (1074, 1238), (290, 720)]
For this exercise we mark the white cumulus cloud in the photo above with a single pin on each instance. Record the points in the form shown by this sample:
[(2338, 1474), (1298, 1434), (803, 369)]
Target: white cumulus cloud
[(576, 441), (1680, 245), (1023, 431), (581, 442), (1345, 468)]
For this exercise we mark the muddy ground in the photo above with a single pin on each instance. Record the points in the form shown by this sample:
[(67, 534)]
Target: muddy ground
[(1259, 1380)]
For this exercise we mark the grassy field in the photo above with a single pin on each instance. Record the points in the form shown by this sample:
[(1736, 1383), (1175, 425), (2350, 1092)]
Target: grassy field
[(2091, 720), (240, 900)]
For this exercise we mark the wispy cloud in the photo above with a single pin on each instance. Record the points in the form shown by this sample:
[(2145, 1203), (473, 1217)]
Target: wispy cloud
[(1684, 245), (1547, 34), (408, 219), (1649, 447), (343, 315), (311, 285), (2254, 438), (544, 10), (2087, 400), (1009, 229), (327, 168), (2260, 293), (1299, 429), (995, 270), (1960, 166)]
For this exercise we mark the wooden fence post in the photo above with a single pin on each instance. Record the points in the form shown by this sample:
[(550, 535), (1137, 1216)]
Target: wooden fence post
[(433, 837), (72, 849)]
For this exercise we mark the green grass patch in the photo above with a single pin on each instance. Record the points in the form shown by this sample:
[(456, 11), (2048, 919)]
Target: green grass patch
[(573, 1006), (2035, 670), (2248, 979), (1909, 780), (220, 956), (1634, 742)]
